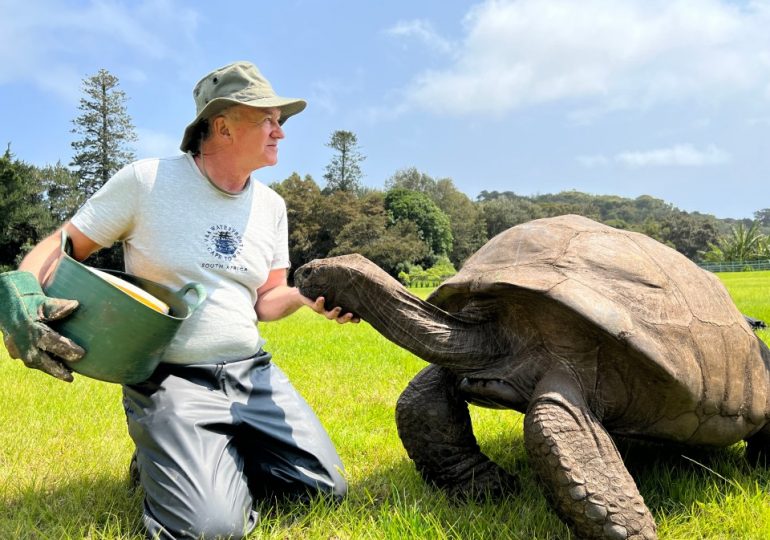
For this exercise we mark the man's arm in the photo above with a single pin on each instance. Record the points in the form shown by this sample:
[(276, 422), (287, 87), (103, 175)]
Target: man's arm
[(41, 260), (26, 309), (276, 300)]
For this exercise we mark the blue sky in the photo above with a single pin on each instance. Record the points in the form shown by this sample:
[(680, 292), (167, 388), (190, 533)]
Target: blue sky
[(666, 98)]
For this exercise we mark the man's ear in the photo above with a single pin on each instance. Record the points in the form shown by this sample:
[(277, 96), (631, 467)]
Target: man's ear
[(221, 127)]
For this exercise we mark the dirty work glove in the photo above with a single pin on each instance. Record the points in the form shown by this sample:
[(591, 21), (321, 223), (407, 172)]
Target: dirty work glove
[(24, 310)]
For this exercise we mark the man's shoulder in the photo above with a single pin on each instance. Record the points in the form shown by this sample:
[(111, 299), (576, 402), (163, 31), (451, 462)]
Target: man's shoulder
[(266, 193), (153, 163), (149, 170)]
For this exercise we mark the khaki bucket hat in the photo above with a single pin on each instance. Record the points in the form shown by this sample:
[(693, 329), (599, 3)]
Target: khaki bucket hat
[(236, 83)]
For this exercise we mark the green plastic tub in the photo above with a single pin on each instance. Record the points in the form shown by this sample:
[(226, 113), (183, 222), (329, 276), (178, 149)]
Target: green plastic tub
[(123, 337)]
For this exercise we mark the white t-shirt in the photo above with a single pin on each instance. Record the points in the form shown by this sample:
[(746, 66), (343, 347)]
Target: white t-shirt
[(178, 228)]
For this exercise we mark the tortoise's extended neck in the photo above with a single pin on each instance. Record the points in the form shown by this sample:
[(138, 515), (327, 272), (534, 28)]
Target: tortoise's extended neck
[(359, 286), (429, 332)]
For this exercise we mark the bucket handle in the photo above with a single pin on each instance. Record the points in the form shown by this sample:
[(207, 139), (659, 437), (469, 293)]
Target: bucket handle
[(66, 243), (200, 292)]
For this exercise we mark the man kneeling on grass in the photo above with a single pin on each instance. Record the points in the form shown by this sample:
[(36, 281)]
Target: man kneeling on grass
[(217, 425)]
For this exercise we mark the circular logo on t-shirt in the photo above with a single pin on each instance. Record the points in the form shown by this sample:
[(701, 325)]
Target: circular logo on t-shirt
[(224, 242)]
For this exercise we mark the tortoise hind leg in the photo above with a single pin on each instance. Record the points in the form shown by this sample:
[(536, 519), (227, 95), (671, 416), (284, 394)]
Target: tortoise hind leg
[(435, 428), (581, 468)]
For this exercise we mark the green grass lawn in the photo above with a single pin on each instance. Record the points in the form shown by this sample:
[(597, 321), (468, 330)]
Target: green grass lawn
[(64, 454)]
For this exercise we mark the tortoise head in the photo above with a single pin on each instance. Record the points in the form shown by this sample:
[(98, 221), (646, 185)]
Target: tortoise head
[(347, 281)]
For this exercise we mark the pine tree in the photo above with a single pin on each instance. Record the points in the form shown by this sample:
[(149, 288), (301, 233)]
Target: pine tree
[(343, 172), (105, 130)]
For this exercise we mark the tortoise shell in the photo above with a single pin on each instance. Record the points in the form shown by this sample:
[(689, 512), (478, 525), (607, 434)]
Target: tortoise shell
[(660, 308)]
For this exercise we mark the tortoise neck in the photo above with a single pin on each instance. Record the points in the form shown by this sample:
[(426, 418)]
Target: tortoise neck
[(442, 338), (423, 329)]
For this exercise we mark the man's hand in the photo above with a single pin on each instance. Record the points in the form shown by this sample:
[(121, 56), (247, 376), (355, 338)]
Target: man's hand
[(24, 310), (333, 314)]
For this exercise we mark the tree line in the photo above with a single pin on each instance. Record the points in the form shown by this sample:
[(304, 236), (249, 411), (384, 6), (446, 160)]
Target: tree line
[(417, 228), (418, 223)]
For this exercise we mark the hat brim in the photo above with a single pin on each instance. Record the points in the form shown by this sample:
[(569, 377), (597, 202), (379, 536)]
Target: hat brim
[(288, 106)]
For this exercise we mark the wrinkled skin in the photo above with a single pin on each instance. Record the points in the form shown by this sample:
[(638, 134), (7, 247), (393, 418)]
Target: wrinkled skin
[(590, 332)]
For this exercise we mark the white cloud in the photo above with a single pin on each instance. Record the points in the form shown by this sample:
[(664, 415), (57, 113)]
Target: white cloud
[(683, 155), (601, 53), (680, 155), (46, 42), (422, 30)]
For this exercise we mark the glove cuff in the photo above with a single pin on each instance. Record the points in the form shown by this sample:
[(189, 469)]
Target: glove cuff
[(19, 283)]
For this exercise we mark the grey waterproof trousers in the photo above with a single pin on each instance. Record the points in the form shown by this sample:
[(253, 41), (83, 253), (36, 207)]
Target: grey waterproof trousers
[(213, 438)]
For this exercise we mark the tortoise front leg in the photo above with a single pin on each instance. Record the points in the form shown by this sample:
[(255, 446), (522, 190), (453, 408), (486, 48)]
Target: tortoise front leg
[(580, 467), (435, 428)]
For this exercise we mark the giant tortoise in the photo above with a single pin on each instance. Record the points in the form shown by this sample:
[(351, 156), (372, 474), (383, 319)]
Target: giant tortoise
[(589, 331)]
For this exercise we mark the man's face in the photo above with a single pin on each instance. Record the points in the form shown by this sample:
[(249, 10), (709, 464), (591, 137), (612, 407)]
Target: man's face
[(257, 132)]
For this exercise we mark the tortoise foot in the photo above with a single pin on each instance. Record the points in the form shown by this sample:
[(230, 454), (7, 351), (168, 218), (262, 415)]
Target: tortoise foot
[(485, 481)]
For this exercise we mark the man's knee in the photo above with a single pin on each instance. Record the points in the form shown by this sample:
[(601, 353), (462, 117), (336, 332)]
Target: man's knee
[(212, 521), (216, 524)]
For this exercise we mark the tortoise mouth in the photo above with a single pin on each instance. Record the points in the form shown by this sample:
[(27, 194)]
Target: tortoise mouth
[(303, 280), (324, 277), (327, 278), (312, 281)]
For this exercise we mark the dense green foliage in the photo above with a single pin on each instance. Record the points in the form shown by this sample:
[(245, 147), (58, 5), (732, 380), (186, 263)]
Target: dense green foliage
[(466, 219), (448, 223), (33, 202), (743, 244), (403, 205)]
